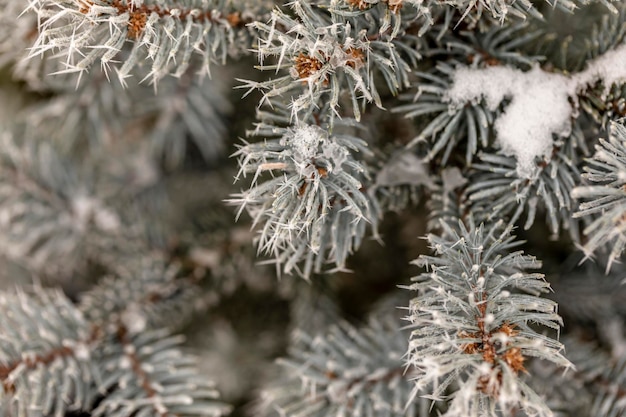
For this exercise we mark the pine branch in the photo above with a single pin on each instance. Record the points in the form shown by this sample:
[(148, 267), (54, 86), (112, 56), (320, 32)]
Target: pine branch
[(17, 34), (147, 374), (604, 103), (474, 12), (398, 18), (317, 209), (143, 369), (566, 393), (604, 197), (604, 106), (99, 114), (54, 359), (468, 126), (447, 129), (46, 348), (347, 372), (145, 295), (498, 192), (169, 35), (605, 31), (551, 97), (327, 57), (602, 375), (81, 118), (610, 399), (471, 323), (594, 388), (499, 135), (187, 110), (48, 213)]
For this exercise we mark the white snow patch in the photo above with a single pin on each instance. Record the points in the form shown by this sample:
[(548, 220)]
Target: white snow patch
[(539, 102), (538, 109), (610, 68)]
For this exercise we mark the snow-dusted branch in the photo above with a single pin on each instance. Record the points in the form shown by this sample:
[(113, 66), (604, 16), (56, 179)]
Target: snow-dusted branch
[(167, 34), (541, 104), (471, 322), (315, 206)]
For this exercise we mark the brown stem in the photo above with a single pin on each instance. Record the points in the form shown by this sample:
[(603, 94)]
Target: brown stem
[(45, 358)]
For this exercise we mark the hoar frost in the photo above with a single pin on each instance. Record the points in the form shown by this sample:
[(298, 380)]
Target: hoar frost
[(305, 142), (539, 105)]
